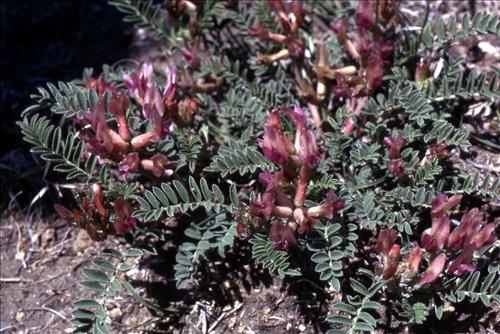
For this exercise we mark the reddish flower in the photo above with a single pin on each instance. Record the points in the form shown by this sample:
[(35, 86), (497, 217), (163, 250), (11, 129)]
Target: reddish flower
[(124, 221), (160, 127), (130, 163), (385, 240), (308, 150), (441, 204), (290, 17), (470, 224), (414, 259), (438, 151), (435, 238), (275, 145), (160, 165), (391, 262), (282, 235), (365, 15), (328, 208), (485, 237), (435, 268), (74, 217), (394, 145), (170, 84), (139, 81), (192, 55), (374, 71), (305, 142), (305, 221), (421, 72), (463, 262), (294, 45), (396, 167), (273, 184), (184, 112), (97, 198), (263, 206)]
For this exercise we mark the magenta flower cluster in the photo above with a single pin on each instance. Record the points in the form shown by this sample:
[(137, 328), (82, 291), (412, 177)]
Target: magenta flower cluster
[(471, 235), (297, 157)]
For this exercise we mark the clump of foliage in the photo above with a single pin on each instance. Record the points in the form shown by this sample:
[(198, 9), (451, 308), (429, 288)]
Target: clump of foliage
[(318, 129)]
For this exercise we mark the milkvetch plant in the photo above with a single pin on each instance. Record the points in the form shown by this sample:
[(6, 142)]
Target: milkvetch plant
[(304, 129)]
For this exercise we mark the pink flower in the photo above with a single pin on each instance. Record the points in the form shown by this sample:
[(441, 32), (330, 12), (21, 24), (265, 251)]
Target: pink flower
[(170, 84), (139, 81), (124, 221), (305, 142), (273, 184), (263, 206), (282, 235), (394, 145), (436, 267), (308, 150), (74, 217), (396, 167), (389, 250), (435, 238), (374, 71), (365, 15), (328, 208), (441, 204), (297, 117), (305, 221), (470, 224), (160, 126), (130, 163), (275, 145), (485, 237), (463, 262)]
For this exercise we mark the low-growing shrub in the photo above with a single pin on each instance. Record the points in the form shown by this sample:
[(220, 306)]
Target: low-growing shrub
[(317, 130)]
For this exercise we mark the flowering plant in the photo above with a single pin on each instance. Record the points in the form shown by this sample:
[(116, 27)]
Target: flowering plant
[(261, 138)]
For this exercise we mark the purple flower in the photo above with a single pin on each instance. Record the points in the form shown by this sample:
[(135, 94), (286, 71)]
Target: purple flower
[(328, 208), (435, 238), (130, 163), (274, 183), (441, 204), (374, 71), (263, 206), (394, 145), (275, 145), (124, 221), (139, 81), (282, 235), (436, 267), (396, 167), (365, 15), (308, 150), (462, 263), (170, 84)]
